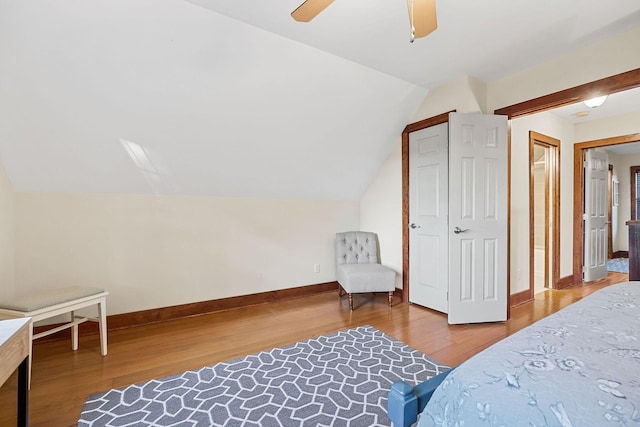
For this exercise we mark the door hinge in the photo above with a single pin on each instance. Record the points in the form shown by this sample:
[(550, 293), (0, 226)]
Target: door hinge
[(584, 217)]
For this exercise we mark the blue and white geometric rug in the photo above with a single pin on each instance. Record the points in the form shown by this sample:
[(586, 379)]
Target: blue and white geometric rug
[(340, 379), (621, 265)]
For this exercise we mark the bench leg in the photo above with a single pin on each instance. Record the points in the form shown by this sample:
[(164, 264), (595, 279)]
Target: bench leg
[(30, 355), (102, 324), (74, 332), (23, 394)]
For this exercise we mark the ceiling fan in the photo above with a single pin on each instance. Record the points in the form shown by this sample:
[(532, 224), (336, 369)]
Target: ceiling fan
[(422, 14)]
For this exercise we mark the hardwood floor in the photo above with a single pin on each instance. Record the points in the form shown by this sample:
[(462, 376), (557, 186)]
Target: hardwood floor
[(62, 379)]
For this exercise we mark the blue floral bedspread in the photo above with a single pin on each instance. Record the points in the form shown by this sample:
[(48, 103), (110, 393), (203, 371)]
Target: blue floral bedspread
[(577, 367)]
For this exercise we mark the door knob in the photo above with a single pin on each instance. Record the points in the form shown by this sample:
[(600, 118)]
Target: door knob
[(412, 225), (458, 230)]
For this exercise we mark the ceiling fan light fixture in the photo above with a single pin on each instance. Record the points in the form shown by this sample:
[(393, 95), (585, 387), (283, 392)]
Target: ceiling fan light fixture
[(595, 102), (422, 18), (422, 15)]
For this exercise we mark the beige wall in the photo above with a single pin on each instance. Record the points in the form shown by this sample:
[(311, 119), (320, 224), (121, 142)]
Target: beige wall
[(609, 57), (156, 251), (465, 95), (382, 203), (623, 124), (6, 236)]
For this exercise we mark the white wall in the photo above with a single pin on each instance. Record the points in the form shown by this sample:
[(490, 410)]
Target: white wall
[(193, 103), (7, 282), (156, 251)]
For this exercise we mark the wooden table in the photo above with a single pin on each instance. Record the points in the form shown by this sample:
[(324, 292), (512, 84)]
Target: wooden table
[(15, 342)]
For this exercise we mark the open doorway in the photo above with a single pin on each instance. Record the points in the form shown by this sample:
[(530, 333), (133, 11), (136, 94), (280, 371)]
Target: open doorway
[(544, 212), (620, 198), (608, 85)]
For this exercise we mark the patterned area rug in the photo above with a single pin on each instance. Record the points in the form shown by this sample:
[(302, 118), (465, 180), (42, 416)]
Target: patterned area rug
[(620, 265), (340, 379)]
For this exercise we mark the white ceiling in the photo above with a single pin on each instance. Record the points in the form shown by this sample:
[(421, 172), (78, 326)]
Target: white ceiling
[(615, 104), (235, 98), (487, 39), (625, 149)]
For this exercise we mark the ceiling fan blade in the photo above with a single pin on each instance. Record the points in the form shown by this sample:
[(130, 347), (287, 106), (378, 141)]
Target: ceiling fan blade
[(424, 16), (309, 9)]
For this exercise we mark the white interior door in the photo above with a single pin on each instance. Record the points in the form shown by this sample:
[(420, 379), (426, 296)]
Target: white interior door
[(596, 173), (477, 218), (428, 210)]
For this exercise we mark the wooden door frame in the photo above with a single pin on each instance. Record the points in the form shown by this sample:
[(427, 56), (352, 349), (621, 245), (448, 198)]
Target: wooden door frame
[(554, 173), (610, 212), (412, 127), (608, 85)]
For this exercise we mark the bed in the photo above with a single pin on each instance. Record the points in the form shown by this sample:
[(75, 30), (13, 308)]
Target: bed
[(577, 367)]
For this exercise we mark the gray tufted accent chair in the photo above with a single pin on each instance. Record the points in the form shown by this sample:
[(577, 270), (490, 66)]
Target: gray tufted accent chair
[(358, 268)]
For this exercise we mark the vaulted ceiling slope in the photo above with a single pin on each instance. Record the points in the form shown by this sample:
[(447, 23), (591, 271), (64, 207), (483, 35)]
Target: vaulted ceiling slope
[(234, 98)]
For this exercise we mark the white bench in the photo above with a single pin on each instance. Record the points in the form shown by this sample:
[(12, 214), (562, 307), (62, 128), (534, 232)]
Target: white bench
[(54, 302)]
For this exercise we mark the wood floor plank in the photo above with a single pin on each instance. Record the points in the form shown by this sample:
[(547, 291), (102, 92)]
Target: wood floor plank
[(62, 379)]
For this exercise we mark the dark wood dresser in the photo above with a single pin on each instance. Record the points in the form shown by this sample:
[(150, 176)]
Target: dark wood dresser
[(634, 250)]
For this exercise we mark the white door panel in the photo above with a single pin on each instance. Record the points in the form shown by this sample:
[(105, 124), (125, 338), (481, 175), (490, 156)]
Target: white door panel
[(596, 174), (428, 205), (478, 218)]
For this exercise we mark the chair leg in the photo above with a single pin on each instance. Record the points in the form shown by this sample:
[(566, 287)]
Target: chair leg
[(390, 298), (350, 302)]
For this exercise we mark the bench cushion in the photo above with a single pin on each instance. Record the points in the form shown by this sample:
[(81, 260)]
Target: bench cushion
[(48, 298)]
